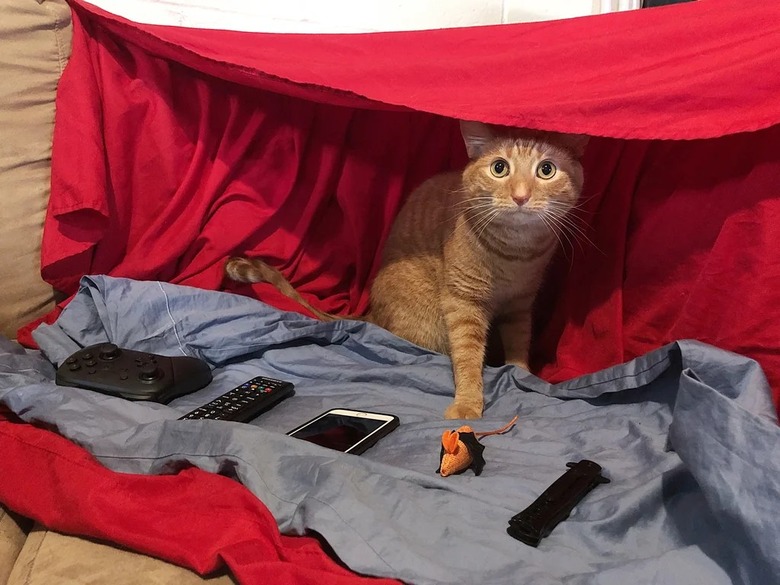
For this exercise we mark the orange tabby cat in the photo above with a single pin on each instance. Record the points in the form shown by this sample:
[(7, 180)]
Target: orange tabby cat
[(468, 250)]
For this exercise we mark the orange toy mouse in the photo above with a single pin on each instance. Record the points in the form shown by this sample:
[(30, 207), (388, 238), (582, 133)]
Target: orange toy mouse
[(461, 450)]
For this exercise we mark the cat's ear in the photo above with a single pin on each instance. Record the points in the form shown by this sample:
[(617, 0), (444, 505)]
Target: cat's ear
[(575, 143), (476, 135)]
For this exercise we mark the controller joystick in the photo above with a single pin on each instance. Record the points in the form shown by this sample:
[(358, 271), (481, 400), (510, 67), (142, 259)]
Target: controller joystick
[(109, 351), (149, 372)]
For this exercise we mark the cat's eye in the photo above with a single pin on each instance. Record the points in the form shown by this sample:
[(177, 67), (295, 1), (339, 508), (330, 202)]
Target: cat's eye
[(546, 170), (499, 168)]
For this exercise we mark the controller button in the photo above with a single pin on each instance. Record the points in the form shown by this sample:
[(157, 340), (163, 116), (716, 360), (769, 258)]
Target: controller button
[(71, 360), (150, 372), (123, 375), (89, 362), (91, 371), (87, 356), (109, 351), (74, 367)]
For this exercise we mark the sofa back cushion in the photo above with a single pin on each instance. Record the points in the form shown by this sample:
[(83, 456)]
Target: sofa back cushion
[(35, 38)]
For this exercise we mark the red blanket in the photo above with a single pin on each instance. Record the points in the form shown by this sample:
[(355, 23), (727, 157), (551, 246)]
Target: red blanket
[(174, 148), (173, 517)]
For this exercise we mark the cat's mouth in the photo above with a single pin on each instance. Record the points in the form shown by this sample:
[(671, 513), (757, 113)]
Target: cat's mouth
[(515, 216), (524, 211)]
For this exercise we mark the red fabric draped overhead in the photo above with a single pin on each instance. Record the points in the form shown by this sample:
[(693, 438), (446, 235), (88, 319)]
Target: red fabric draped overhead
[(174, 148), (693, 70)]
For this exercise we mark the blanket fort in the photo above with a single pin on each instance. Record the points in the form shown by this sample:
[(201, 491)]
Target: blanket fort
[(176, 147)]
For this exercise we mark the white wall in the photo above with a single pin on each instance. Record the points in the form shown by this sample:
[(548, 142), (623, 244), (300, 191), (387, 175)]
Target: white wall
[(328, 16)]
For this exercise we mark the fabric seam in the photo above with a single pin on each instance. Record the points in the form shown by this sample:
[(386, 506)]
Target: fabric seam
[(664, 360), (173, 321)]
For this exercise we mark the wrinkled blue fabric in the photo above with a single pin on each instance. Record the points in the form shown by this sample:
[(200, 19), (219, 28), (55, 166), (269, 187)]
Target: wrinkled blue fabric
[(686, 434)]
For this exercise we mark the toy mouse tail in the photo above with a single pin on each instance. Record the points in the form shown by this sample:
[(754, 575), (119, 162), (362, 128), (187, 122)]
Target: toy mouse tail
[(503, 429)]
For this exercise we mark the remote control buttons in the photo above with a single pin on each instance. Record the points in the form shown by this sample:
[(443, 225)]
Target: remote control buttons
[(150, 373), (109, 351), (244, 402)]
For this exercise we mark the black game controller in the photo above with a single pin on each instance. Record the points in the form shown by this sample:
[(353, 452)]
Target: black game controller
[(133, 375)]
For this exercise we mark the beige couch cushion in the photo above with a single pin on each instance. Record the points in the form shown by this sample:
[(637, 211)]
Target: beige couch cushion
[(35, 37), (50, 558), (13, 532)]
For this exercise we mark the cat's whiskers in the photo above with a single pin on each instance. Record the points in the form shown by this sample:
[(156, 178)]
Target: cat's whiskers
[(571, 209), (560, 230), (482, 219), (475, 208), (561, 216), (469, 201), (487, 222), (473, 201), (559, 223), (580, 204), (554, 232), (475, 212), (477, 203), (569, 216)]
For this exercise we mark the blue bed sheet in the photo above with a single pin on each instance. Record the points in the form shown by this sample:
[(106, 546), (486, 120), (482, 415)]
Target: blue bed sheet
[(686, 434)]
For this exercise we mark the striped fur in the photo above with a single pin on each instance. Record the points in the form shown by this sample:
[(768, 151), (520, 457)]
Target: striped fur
[(464, 255)]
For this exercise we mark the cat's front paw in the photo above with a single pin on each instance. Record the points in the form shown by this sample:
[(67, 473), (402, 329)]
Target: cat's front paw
[(463, 410)]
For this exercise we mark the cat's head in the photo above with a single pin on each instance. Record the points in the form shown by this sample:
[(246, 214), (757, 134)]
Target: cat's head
[(527, 173)]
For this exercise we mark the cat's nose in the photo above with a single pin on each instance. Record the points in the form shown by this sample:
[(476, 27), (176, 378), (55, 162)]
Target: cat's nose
[(520, 198), (520, 194)]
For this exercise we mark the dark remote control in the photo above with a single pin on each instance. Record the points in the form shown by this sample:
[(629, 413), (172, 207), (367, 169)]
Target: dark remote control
[(134, 375), (556, 502), (244, 402)]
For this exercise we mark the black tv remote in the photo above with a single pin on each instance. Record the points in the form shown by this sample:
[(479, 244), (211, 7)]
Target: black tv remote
[(556, 502), (244, 402)]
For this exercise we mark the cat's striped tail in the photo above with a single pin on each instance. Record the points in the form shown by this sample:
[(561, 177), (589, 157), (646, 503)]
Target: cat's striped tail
[(251, 270)]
